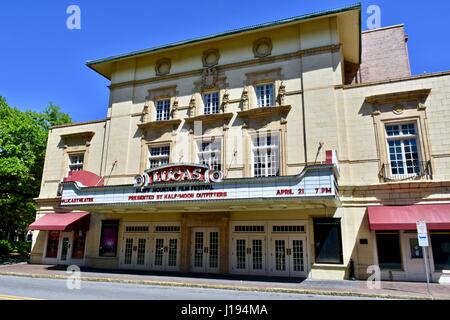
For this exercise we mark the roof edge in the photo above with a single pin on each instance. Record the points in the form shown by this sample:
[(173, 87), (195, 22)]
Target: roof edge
[(91, 63)]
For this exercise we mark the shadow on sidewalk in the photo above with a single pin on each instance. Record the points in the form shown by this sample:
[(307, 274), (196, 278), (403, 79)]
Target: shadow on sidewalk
[(180, 275)]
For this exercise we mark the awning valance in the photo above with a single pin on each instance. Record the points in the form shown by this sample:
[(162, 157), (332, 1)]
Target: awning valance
[(62, 221), (437, 217)]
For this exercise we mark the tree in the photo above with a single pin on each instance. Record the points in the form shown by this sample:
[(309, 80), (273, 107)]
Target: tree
[(23, 139)]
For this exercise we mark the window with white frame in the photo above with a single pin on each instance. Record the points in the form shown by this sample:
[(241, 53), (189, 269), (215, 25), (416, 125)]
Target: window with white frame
[(403, 150), (264, 95), (210, 153), (266, 154), (159, 156), (211, 102), (162, 109), (76, 162)]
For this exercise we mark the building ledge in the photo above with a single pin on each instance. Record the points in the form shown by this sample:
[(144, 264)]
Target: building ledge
[(395, 185), (84, 134), (159, 124), (398, 96), (264, 112), (389, 81), (329, 265), (212, 117)]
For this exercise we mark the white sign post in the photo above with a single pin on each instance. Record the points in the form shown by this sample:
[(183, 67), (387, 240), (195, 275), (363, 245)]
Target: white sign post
[(422, 235)]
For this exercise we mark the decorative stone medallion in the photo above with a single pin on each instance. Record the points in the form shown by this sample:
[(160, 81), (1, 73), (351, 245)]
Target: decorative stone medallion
[(210, 58), (162, 67), (262, 47), (398, 109)]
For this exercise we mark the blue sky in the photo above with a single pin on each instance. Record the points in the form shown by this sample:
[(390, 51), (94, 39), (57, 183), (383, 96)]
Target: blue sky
[(41, 60)]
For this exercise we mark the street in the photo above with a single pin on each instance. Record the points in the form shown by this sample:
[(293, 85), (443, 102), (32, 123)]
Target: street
[(22, 288)]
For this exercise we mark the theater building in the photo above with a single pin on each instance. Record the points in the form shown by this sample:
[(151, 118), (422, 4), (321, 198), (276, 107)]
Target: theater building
[(298, 148)]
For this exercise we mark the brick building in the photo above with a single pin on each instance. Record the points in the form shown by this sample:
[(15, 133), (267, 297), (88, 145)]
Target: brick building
[(299, 148)]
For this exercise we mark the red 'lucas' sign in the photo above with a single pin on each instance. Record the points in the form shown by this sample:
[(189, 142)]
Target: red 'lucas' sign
[(177, 173)]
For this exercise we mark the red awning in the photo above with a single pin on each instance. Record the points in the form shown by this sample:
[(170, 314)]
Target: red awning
[(437, 217), (62, 221)]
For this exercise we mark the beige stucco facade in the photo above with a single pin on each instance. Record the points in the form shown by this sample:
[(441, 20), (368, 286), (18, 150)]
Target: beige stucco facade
[(305, 61)]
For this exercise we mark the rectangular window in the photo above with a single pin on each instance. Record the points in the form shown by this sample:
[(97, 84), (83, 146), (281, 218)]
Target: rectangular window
[(76, 162), (389, 250), (440, 242), (403, 150), (211, 103), (108, 238), (288, 229), (245, 228), (210, 153), (264, 95), (159, 156), (162, 109), (52, 244), (266, 154), (174, 229), (79, 241), (328, 240)]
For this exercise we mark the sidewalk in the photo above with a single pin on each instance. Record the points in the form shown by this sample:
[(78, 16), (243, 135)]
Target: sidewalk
[(396, 290)]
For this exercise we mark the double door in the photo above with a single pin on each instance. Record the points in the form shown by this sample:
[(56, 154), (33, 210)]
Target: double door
[(248, 254), (135, 252), (288, 256), (166, 253), (205, 250)]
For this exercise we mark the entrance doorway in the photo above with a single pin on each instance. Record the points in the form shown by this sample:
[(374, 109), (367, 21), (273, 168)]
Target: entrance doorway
[(166, 252), (65, 248), (205, 250), (415, 265), (134, 252), (288, 256), (248, 254)]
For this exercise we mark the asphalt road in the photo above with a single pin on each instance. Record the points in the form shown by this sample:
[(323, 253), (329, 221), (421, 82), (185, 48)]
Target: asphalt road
[(19, 288)]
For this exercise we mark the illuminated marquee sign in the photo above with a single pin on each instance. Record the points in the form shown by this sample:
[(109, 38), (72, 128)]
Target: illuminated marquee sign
[(177, 173), (196, 183)]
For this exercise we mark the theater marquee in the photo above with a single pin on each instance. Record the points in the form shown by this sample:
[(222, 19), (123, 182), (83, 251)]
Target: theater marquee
[(193, 183)]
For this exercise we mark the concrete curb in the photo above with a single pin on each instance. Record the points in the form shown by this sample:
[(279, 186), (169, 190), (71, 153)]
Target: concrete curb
[(225, 287)]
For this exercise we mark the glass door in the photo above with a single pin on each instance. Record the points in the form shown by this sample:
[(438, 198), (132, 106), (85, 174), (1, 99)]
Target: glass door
[(166, 253), (65, 248), (257, 255), (205, 249), (297, 257), (134, 252), (248, 255), (288, 256)]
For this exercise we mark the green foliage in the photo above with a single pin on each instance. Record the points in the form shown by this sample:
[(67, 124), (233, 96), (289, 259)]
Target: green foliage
[(21, 247), (5, 247), (23, 139)]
